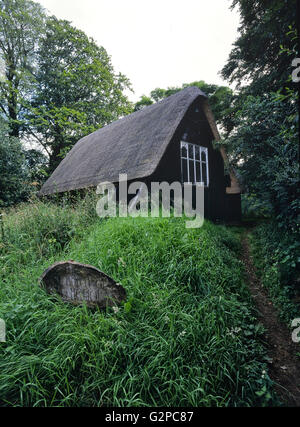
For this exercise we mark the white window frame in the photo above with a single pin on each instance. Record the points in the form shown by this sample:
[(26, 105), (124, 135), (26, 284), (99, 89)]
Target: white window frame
[(197, 164)]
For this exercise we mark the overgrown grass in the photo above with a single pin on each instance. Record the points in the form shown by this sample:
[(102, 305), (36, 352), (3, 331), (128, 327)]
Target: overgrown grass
[(186, 335), (277, 258)]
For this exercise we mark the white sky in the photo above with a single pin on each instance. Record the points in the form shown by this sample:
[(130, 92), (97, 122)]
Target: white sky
[(157, 43)]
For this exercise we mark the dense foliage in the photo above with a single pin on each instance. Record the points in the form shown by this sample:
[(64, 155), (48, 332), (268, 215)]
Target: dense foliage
[(12, 170), (277, 258), (263, 145), (254, 62), (21, 170), (264, 150), (21, 23)]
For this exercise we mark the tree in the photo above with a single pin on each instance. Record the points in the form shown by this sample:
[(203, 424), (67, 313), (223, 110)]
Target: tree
[(77, 90), (263, 146), (13, 173), (144, 101), (256, 62), (21, 23), (220, 99), (36, 163), (263, 149)]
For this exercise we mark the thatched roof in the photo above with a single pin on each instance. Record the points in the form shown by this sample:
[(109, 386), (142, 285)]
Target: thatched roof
[(133, 145)]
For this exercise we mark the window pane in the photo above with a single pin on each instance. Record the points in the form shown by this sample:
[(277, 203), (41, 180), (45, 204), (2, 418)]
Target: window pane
[(194, 163), (183, 150), (192, 175), (184, 170), (198, 173), (204, 173)]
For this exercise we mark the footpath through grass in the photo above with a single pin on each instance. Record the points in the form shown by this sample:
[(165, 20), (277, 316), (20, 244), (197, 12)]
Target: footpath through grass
[(185, 337)]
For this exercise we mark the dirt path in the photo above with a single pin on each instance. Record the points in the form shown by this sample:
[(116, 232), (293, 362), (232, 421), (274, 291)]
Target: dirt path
[(284, 369)]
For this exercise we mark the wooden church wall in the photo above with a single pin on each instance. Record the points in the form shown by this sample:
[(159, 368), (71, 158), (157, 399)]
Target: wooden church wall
[(195, 130)]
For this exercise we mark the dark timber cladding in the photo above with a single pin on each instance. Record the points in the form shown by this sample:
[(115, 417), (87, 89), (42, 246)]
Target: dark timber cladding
[(145, 145)]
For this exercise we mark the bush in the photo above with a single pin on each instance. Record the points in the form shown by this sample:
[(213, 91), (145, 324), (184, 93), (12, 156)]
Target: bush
[(276, 254), (33, 231)]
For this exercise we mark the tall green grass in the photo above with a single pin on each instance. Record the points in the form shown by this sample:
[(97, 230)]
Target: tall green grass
[(186, 335)]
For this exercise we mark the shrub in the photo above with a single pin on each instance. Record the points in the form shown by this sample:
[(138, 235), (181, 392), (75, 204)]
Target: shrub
[(276, 254)]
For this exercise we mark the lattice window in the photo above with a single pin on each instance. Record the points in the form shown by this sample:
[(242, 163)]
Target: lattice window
[(194, 163)]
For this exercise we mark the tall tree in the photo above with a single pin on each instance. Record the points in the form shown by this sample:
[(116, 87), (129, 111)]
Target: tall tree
[(256, 61), (77, 90), (21, 23), (264, 143)]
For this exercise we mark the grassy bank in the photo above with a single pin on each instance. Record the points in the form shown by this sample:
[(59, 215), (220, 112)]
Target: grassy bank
[(185, 337)]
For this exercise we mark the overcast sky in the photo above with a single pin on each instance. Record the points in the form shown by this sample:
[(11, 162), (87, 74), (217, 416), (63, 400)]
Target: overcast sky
[(157, 43)]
